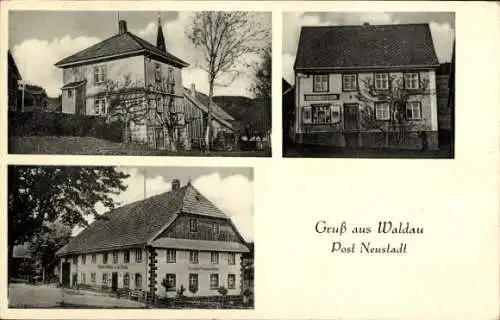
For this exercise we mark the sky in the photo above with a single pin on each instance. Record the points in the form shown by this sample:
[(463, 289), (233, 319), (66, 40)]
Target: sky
[(442, 25), (230, 189), (37, 43)]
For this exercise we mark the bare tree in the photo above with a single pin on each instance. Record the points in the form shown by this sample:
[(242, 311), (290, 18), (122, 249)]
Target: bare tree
[(262, 79), (130, 102), (396, 95), (226, 39)]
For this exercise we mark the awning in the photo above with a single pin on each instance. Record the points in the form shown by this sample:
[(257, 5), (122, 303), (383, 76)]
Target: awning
[(200, 245), (72, 85)]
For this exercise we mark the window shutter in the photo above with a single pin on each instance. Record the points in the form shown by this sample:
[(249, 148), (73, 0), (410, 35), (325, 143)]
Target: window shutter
[(306, 114), (104, 73)]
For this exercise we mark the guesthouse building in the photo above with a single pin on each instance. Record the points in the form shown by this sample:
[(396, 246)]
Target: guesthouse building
[(366, 86), (178, 239)]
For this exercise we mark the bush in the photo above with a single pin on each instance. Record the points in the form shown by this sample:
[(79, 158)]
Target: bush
[(58, 124)]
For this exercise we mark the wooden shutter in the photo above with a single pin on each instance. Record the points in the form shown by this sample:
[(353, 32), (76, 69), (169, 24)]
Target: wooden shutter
[(307, 114)]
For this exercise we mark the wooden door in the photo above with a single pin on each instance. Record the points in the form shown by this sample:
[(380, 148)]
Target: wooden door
[(65, 274), (114, 281), (351, 117)]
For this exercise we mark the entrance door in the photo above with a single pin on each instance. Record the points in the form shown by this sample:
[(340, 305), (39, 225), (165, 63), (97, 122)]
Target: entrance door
[(160, 139), (66, 266), (114, 281), (351, 124), (351, 117)]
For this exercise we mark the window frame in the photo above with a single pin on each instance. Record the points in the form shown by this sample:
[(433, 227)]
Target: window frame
[(315, 76), (404, 80), (233, 276), (75, 259), (157, 72), (126, 256), (100, 105), (356, 86), (212, 255), (172, 276), (93, 259), (115, 257), (215, 276), (138, 255), (193, 225), (194, 276), (378, 104), (93, 277), (171, 256), (375, 80), (194, 257), (70, 93), (215, 228), (100, 74), (84, 258), (105, 258), (231, 258), (419, 104), (137, 275), (126, 280)]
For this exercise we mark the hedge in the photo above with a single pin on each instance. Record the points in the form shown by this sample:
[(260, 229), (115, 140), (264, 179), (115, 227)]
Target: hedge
[(38, 123)]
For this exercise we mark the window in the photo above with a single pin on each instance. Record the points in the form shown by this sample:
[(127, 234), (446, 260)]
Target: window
[(99, 74), (411, 80), (70, 93), (159, 106), (75, 259), (382, 111), (115, 257), (193, 225), (349, 82), (320, 83), (92, 278), (381, 81), (193, 280), (170, 282), (413, 110), (171, 255), (157, 72), (126, 256), (94, 258), (321, 114), (214, 257), (105, 258), (231, 281), (171, 79), (215, 228), (306, 115), (138, 281), (83, 280), (214, 281), (84, 258), (100, 106), (105, 278), (193, 256), (231, 258), (126, 280), (138, 255)]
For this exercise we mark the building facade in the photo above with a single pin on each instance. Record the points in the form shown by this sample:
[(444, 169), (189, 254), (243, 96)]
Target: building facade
[(128, 78), (366, 86), (174, 240)]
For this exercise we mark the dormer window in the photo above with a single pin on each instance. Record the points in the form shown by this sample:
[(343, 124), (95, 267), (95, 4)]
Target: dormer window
[(99, 74), (193, 225), (157, 72)]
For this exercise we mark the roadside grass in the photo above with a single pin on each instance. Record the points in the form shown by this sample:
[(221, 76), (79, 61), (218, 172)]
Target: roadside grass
[(66, 145)]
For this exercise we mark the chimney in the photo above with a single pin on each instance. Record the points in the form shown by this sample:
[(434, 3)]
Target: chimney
[(366, 24), (176, 185), (122, 26), (193, 90)]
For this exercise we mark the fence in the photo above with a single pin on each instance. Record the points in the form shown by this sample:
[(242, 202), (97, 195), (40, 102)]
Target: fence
[(38, 123)]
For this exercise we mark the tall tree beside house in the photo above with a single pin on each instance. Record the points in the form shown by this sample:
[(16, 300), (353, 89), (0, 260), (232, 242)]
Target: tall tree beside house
[(38, 195), (262, 79), (51, 237), (394, 97), (226, 39)]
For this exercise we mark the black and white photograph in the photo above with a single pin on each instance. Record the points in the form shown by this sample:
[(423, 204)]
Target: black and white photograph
[(159, 83), (368, 84), (130, 237)]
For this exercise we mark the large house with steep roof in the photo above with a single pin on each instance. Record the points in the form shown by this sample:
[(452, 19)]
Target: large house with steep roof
[(348, 80), (179, 236), (129, 77)]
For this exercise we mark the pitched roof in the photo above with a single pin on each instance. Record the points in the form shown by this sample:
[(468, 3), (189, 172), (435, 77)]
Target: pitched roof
[(73, 84), (123, 44), (202, 101), (137, 222), (365, 46)]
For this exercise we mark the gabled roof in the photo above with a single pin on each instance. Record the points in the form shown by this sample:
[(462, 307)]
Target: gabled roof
[(74, 84), (138, 222), (201, 100), (120, 45), (365, 47)]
